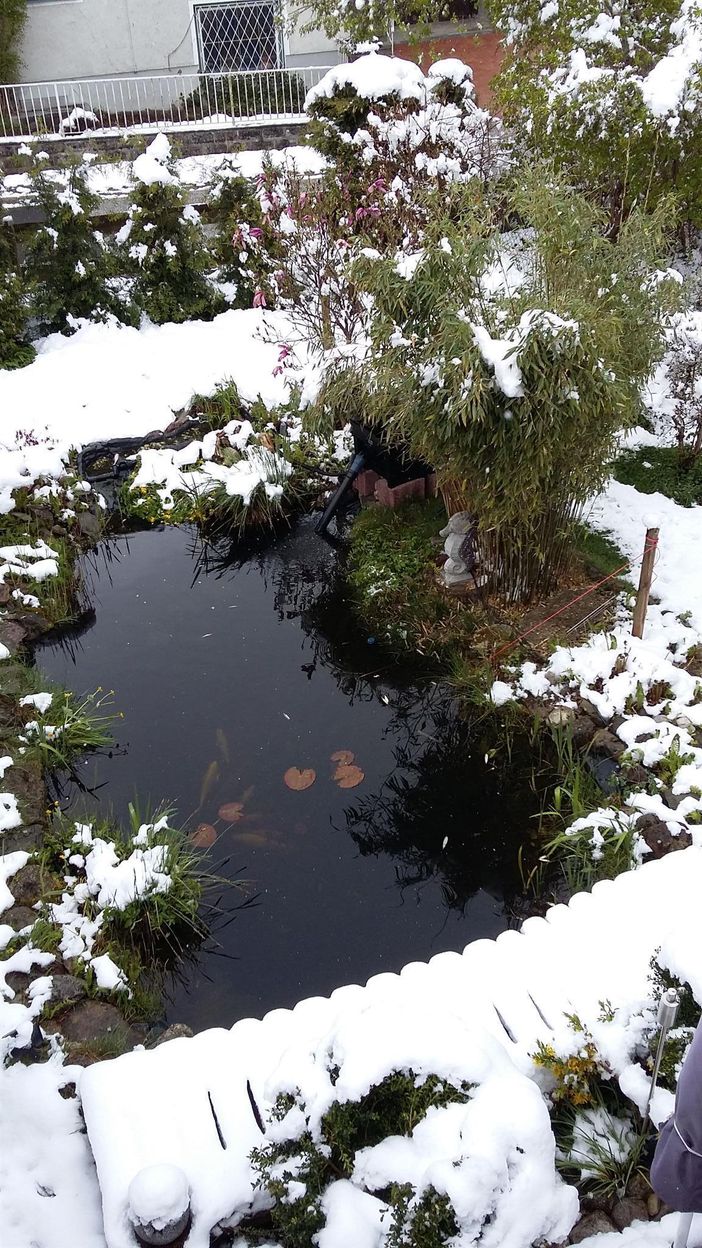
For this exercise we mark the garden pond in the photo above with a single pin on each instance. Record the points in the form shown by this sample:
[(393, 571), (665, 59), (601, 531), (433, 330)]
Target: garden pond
[(233, 665)]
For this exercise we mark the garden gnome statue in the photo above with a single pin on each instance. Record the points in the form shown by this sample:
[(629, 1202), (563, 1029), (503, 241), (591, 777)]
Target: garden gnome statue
[(676, 1173), (460, 549)]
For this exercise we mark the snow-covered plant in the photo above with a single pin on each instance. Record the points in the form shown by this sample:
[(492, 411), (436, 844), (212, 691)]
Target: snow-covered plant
[(164, 244), (509, 362), (15, 349), (245, 245), (605, 1149), (384, 117), (612, 92), (357, 23), (67, 265), (684, 367), (13, 15)]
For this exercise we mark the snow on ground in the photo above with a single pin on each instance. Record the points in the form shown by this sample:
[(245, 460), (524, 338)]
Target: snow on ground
[(112, 381), (476, 1016), (114, 179)]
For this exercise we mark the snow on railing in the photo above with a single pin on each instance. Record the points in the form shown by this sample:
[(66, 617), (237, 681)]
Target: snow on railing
[(154, 102)]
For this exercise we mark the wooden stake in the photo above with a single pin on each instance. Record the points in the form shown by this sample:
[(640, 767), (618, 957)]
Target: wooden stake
[(649, 558)]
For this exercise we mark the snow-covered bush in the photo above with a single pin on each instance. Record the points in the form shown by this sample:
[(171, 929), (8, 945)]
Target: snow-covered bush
[(393, 143), (67, 266), (412, 1138), (509, 362), (245, 245), (15, 350), (684, 367), (164, 245), (612, 93), (381, 118), (355, 24)]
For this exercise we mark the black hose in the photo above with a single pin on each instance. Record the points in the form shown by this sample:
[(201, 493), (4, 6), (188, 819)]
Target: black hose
[(357, 465)]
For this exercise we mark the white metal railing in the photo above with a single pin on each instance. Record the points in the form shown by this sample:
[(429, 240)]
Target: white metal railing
[(153, 102)]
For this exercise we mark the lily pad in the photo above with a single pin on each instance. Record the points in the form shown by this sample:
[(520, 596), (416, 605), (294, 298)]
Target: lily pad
[(204, 836), (343, 756), (299, 778), (348, 775), (231, 812)]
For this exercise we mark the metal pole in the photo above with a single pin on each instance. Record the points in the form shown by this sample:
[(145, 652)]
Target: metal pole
[(683, 1232), (667, 1014), (649, 558)]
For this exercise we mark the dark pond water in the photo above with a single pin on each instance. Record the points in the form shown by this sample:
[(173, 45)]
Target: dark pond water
[(238, 666)]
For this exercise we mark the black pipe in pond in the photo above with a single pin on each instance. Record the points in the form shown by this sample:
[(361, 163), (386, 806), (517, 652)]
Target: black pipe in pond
[(356, 466)]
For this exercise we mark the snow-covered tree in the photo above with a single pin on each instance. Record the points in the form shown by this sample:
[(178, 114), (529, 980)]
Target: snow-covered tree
[(611, 90), (67, 261), (15, 350), (164, 244)]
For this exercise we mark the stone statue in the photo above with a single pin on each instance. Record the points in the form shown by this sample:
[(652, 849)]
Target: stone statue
[(459, 545)]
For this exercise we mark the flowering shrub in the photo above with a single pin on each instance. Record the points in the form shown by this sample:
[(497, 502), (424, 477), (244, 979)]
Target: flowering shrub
[(577, 1072), (245, 245)]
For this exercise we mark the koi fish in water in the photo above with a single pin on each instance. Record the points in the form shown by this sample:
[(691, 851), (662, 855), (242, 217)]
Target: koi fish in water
[(209, 779)]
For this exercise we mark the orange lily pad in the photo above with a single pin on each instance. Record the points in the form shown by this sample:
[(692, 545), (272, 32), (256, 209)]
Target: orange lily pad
[(348, 775), (343, 756), (204, 836), (231, 812), (299, 778)]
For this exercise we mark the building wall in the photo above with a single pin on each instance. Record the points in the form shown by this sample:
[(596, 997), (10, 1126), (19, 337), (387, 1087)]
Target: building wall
[(110, 38), (474, 41), (105, 38)]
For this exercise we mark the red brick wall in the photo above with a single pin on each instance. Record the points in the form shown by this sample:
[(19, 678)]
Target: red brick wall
[(482, 52)]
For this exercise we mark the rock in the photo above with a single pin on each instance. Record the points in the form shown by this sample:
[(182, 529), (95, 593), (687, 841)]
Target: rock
[(18, 981), (12, 635), (18, 917), (174, 1032), (58, 530), (605, 742), (639, 1187), (89, 1021), (596, 1223), (33, 883), (89, 525), (659, 838), (589, 708), (9, 719), (560, 715), (25, 886), (653, 1205), (30, 839), (583, 730), (627, 1210), (4, 595), (67, 989)]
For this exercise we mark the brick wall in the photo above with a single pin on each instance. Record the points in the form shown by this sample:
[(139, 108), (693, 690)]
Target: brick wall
[(483, 52)]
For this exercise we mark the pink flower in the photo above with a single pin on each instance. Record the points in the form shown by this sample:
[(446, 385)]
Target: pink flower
[(259, 299), (255, 232)]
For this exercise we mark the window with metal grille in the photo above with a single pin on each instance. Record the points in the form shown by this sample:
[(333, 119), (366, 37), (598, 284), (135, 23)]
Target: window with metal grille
[(238, 36)]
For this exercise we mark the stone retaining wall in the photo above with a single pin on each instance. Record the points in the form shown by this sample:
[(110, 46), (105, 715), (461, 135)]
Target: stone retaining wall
[(194, 142)]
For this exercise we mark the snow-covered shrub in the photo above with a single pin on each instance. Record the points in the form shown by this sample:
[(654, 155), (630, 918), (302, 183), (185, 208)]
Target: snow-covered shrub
[(413, 1137), (245, 244), (355, 24), (612, 93), (15, 350), (164, 246), (395, 143), (67, 265), (230, 479), (684, 368), (381, 118), (509, 362)]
